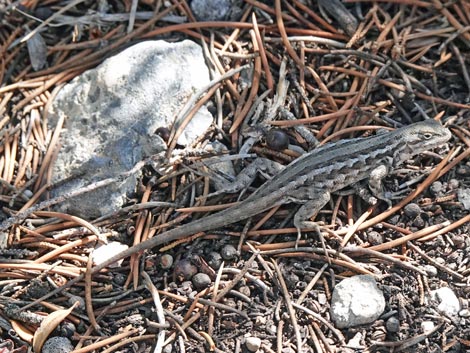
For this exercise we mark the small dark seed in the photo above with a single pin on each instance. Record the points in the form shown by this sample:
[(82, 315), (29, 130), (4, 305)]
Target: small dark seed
[(277, 140), (419, 222), (214, 259), (184, 270), (43, 13), (164, 133)]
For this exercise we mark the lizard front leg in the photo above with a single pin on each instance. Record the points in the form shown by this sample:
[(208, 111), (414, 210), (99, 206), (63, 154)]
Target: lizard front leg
[(376, 186), (361, 190)]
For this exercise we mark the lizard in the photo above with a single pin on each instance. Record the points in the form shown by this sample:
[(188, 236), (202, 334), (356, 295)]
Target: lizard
[(311, 179)]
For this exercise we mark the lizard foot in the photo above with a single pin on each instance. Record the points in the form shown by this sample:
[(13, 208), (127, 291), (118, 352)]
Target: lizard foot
[(314, 226)]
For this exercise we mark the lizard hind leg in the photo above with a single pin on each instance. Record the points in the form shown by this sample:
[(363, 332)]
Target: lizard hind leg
[(262, 166)]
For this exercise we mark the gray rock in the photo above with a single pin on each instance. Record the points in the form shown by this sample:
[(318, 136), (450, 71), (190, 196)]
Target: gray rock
[(213, 10), (392, 324), (112, 113), (57, 345), (448, 303), (431, 270), (356, 301)]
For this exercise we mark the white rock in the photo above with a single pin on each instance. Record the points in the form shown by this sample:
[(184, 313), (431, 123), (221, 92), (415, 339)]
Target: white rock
[(427, 326), (464, 197), (448, 302), (356, 301), (253, 343), (112, 113), (430, 270), (106, 251), (322, 299)]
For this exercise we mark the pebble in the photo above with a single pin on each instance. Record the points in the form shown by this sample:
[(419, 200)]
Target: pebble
[(392, 324), (463, 196), (322, 299), (453, 184), (57, 345), (436, 187), (431, 271), (458, 240), (356, 342), (106, 251), (356, 301), (427, 326), (253, 343), (448, 302), (228, 252), (201, 281), (166, 261), (464, 313), (112, 118), (375, 238), (245, 290), (412, 210), (211, 10)]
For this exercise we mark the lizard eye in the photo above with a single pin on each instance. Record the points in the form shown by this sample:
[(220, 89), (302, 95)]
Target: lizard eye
[(427, 135)]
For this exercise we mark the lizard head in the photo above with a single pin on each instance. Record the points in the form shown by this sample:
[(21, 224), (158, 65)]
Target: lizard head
[(420, 137), (423, 136)]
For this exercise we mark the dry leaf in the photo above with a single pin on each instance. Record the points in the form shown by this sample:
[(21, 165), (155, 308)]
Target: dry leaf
[(48, 325)]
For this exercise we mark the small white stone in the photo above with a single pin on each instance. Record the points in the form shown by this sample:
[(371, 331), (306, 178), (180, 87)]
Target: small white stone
[(322, 298), (448, 302), (261, 320), (464, 313), (430, 270), (355, 342), (464, 197), (427, 326), (356, 301), (253, 343)]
